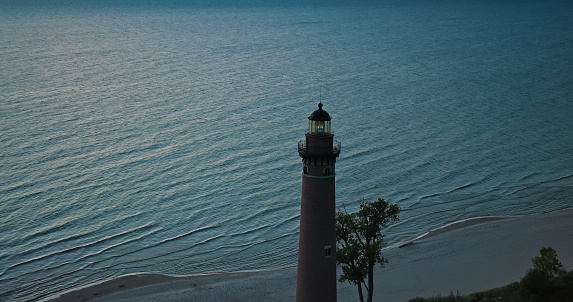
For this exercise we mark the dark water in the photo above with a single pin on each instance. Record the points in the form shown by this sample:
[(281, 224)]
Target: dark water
[(163, 138)]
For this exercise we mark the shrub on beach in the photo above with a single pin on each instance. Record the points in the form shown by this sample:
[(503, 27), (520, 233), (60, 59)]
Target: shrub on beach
[(544, 282)]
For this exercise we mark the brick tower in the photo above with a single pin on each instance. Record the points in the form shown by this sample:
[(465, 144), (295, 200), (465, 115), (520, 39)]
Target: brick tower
[(316, 272)]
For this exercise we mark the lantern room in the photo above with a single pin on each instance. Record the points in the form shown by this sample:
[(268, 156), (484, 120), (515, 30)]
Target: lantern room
[(319, 122)]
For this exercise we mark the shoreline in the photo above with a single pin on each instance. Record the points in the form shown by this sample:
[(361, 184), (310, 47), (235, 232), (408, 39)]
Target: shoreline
[(112, 286), (146, 283), (141, 280), (456, 225), (467, 256)]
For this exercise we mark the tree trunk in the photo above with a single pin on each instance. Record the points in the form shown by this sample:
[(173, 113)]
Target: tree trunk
[(360, 295), (370, 283)]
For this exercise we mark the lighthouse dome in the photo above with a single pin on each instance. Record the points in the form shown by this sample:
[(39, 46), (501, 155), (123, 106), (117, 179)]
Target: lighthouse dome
[(319, 115), (319, 122)]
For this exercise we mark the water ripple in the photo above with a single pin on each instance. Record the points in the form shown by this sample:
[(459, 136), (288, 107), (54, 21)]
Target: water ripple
[(165, 140)]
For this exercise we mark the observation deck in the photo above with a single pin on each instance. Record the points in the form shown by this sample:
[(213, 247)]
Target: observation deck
[(335, 151)]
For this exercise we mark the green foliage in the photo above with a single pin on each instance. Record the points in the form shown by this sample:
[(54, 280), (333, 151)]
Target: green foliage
[(543, 281), (451, 298), (508, 293), (360, 241), (534, 285), (548, 263)]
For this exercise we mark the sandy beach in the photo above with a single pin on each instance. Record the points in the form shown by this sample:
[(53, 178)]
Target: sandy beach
[(467, 257)]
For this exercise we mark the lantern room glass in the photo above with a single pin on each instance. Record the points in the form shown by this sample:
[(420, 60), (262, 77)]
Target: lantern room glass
[(318, 127)]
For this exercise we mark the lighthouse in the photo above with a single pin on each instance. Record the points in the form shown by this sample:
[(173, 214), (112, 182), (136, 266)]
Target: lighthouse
[(316, 271)]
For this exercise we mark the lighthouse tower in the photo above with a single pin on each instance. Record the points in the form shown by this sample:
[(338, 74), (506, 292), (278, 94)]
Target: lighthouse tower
[(316, 272)]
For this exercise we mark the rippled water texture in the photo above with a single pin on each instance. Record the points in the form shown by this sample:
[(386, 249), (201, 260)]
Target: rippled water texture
[(164, 139)]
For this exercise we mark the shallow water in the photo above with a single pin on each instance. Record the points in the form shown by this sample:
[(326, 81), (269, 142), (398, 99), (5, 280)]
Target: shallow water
[(164, 139)]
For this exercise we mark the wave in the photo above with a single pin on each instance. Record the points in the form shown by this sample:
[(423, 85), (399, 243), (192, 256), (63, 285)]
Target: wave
[(81, 261), (249, 231), (180, 236), (73, 248)]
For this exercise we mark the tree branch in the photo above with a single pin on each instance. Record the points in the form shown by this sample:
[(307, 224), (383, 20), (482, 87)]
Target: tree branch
[(365, 286)]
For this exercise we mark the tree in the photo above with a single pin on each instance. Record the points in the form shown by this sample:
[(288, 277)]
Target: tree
[(547, 262), (540, 281), (360, 242)]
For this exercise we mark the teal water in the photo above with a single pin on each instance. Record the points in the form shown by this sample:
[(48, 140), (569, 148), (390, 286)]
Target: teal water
[(163, 138)]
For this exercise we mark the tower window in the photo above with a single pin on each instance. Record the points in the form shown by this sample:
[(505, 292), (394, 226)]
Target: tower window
[(327, 251), (327, 171), (304, 169)]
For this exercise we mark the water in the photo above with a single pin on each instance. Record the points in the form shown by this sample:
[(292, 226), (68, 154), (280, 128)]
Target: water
[(163, 138)]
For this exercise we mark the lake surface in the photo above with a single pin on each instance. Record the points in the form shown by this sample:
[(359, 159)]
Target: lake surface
[(162, 138)]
